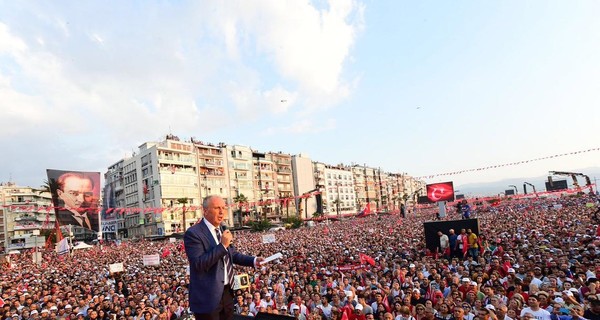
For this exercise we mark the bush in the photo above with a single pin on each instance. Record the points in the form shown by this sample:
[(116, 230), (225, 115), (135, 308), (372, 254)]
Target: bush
[(293, 222), (260, 225)]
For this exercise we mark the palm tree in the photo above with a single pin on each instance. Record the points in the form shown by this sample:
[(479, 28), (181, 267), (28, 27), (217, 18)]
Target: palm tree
[(240, 200), (183, 201), (287, 206), (337, 203), (51, 186)]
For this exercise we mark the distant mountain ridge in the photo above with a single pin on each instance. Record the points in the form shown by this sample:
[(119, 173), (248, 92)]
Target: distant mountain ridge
[(496, 187)]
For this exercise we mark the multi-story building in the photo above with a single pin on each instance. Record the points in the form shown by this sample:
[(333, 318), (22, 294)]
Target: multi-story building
[(26, 211), (304, 184), (2, 218), (264, 181), (397, 195), (322, 205), (114, 198), (159, 190), (213, 171), (360, 186), (240, 174), (339, 191), (284, 186), (370, 191)]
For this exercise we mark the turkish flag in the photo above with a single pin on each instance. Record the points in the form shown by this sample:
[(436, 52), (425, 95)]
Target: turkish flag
[(166, 252), (365, 258)]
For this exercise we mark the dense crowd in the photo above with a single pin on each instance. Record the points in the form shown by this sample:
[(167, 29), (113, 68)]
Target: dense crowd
[(533, 258)]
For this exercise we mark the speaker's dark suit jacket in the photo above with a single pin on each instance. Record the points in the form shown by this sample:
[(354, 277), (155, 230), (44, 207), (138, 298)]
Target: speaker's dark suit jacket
[(207, 267)]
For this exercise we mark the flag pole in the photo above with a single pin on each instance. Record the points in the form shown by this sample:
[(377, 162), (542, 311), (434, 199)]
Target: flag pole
[(71, 239)]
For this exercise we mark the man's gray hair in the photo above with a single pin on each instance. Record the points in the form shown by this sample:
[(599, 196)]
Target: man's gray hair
[(206, 201)]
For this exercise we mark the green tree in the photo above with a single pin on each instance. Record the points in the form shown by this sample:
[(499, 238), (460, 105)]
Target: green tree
[(293, 222), (183, 201), (260, 225), (240, 200)]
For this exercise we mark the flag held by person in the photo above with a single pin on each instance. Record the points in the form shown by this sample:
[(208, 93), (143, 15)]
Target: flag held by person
[(366, 259)]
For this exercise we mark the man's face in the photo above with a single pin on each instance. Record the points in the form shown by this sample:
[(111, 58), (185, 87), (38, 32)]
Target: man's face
[(216, 211), (459, 313), (533, 302), (76, 192)]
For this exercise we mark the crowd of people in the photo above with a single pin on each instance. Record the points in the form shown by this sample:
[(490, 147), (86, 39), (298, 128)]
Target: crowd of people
[(530, 258)]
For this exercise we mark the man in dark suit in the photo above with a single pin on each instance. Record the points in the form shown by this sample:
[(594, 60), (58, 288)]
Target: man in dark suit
[(211, 257)]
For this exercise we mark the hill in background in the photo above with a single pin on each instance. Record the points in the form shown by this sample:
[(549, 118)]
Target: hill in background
[(496, 187)]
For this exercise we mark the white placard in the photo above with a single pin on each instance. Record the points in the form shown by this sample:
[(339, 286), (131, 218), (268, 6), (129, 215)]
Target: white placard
[(116, 267), (241, 281), (151, 260), (268, 238), (172, 240), (271, 258)]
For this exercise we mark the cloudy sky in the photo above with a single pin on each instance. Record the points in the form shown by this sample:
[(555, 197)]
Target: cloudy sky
[(422, 87)]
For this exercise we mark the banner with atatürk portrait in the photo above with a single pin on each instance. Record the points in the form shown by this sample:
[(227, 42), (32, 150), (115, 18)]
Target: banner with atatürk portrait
[(75, 196)]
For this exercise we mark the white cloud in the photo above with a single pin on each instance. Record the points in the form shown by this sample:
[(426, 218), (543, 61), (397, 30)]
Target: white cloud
[(114, 82), (308, 46)]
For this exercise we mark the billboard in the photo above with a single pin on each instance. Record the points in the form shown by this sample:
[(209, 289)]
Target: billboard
[(75, 197), (443, 191), (509, 192), (556, 185)]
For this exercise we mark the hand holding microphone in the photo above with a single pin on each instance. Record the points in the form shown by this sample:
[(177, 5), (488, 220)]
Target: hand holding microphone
[(226, 236)]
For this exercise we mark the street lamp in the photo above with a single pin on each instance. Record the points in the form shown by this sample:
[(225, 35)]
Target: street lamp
[(513, 186)]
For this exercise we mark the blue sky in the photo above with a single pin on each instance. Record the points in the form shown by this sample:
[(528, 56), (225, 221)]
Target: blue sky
[(422, 87)]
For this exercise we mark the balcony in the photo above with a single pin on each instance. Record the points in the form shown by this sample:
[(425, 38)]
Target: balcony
[(211, 152), (26, 217), (210, 163), (176, 159), (263, 167)]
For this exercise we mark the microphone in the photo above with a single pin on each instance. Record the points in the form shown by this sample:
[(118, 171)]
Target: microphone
[(223, 227)]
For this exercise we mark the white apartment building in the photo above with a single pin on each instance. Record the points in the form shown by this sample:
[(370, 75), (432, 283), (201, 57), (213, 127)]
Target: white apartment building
[(25, 210), (159, 190), (339, 193), (240, 173)]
